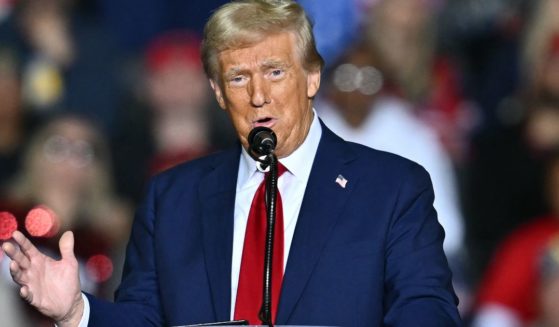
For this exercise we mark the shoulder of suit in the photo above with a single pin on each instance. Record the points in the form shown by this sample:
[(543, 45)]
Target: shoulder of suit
[(373, 160), (383, 162)]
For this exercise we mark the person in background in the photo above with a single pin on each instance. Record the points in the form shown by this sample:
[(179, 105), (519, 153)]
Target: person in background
[(13, 120), (541, 51), (506, 170), (361, 105), (69, 61), (548, 290), (179, 98), (508, 294), (405, 34), (169, 116), (542, 126), (66, 167)]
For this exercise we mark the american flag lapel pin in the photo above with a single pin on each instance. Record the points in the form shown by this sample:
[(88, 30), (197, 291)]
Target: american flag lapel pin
[(340, 180)]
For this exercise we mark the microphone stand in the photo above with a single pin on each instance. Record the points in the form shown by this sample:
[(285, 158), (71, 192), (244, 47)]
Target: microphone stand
[(262, 142), (271, 196)]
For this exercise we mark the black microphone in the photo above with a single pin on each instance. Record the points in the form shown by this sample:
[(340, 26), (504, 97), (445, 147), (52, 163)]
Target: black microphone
[(262, 141)]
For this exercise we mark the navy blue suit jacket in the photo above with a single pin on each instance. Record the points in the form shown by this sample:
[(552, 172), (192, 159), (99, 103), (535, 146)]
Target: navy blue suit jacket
[(369, 254)]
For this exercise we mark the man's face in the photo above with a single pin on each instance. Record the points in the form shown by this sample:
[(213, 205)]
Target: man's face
[(355, 85), (265, 84)]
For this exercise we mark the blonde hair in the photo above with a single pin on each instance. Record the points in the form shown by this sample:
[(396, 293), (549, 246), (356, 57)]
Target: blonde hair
[(245, 22)]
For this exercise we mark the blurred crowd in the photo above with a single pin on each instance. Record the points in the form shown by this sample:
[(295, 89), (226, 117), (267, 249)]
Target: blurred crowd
[(96, 96)]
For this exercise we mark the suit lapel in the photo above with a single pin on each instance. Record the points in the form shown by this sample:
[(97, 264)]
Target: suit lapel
[(321, 208), (217, 195)]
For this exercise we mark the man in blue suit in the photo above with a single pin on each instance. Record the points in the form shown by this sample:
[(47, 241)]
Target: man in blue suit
[(362, 243)]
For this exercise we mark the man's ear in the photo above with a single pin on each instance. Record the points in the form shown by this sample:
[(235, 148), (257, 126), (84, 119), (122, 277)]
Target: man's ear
[(313, 83), (218, 94)]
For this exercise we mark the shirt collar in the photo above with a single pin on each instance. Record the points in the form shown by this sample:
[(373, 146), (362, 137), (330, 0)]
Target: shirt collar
[(298, 163)]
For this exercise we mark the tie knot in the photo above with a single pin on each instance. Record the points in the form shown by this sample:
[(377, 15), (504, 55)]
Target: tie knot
[(281, 170)]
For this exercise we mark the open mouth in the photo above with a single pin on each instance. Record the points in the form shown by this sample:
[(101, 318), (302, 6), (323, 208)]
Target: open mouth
[(265, 121)]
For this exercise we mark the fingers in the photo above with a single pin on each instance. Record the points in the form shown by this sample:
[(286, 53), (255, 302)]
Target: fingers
[(66, 245), (15, 253), (26, 294), (17, 275), (25, 244), (15, 271), (8, 247)]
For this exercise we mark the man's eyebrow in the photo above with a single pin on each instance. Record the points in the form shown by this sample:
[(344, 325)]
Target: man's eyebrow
[(271, 63), (267, 64)]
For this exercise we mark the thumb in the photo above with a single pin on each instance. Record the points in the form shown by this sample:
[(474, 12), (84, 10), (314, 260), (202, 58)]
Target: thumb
[(66, 245)]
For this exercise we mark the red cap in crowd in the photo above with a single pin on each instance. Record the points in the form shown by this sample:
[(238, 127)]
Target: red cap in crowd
[(171, 47)]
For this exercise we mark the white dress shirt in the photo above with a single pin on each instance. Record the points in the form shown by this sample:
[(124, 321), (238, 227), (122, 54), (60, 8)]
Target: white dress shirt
[(291, 185)]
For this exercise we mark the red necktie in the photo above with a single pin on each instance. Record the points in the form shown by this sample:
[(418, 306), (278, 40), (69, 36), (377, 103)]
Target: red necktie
[(249, 291)]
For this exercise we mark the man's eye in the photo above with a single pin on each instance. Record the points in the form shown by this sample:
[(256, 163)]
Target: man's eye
[(237, 80), (277, 72)]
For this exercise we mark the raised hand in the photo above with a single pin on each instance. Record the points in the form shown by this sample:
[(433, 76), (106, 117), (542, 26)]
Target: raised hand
[(52, 286)]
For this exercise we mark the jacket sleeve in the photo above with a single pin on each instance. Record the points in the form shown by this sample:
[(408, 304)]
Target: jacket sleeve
[(418, 281)]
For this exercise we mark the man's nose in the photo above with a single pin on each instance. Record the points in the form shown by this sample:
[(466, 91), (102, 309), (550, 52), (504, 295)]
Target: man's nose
[(259, 91)]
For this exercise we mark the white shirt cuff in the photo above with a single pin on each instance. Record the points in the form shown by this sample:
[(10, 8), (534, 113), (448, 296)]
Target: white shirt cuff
[(85, 317)]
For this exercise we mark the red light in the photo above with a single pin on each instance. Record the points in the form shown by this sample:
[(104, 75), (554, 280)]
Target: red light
[(99, 267), (41, 221), (8, 224)]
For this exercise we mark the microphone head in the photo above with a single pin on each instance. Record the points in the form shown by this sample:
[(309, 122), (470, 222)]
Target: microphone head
[(262, 141)]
